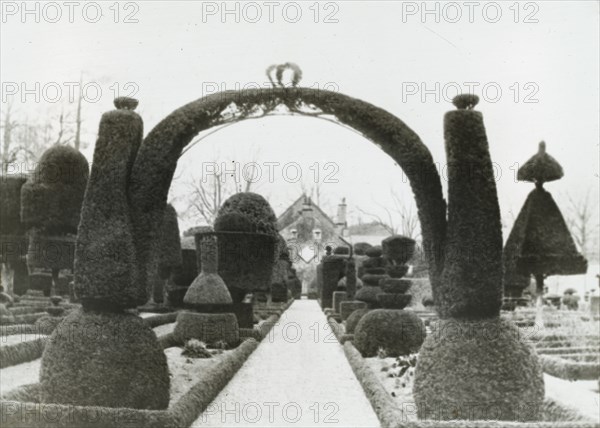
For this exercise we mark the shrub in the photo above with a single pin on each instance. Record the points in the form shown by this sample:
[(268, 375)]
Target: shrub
[(341, 251), (354, 318), (397, 332), (87, 369), (234, 222), (209, 328), (375, 251), (398, 248), (394, 285), (478, 362), (51, 198), (360, 248), (255, 208), (10, 204), (194, 348), (373, 280), (109, 268), (22, 352), (349, 306), (368, 294), (169, 243), (393, 301)]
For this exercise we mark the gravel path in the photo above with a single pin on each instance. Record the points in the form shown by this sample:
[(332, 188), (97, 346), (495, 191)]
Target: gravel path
[(297, 377)]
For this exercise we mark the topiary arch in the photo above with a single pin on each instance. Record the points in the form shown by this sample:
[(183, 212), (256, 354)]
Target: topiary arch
[(157, 157)]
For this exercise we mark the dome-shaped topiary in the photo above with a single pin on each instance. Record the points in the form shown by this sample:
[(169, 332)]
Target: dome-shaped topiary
[(483, 361), (255, 208), (360, 248), (354, 318), (105, 353), (51, 198), (234, 222), (397, 332)]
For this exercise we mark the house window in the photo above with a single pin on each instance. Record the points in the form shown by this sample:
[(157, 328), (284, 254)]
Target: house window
[(294, 233), (317, 234)]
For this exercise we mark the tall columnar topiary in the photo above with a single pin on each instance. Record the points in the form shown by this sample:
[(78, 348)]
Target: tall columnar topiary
[(333, 270), (540, 243), (50, 208), (13, 243), (453, 369), (124, 366), (168, 248)]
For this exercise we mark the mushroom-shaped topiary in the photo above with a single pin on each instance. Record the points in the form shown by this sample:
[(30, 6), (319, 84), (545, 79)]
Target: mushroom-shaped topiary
[(52, 196), (51, 202), (255, 208), (396, 332), (246, 257)]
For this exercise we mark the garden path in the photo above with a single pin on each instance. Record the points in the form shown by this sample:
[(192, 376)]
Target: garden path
[(581, 395), (298, 376)]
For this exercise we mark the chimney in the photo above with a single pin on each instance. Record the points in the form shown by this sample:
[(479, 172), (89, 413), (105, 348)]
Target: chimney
[(341, 214), (307, 207)]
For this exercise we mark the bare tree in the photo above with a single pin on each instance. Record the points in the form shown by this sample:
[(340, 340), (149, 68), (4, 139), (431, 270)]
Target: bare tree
[(400, 218), (582, 220)]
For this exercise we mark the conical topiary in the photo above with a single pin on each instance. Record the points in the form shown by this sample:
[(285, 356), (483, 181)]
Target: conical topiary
[(540, 243)]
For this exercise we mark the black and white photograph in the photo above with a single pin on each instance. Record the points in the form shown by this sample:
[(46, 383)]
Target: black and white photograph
[(300, 214)]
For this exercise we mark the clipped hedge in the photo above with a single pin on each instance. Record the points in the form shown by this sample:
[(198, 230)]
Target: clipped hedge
[(182, 414), (161, 319), (22, 352), (569, 370)]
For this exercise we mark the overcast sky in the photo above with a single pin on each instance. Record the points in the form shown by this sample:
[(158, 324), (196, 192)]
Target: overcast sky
[(387, 53)]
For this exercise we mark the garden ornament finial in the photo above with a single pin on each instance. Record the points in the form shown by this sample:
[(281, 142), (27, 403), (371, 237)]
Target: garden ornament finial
[(280, 69)]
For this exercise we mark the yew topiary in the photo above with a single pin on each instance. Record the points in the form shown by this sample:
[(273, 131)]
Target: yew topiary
[(10, 204), (482, 361), (360, 248), (104, 359), (106, 268), (354, 318), (51, 198), (397, 332), (169, 243), (255, 208)]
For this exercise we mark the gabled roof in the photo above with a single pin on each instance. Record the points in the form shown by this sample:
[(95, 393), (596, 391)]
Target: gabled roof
[(293, 212)]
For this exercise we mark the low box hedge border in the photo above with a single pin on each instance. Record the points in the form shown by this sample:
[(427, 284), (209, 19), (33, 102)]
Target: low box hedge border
[(337, 328), (22, 352), (25, 318), (568, 369), (9, 330), (391, 416), (567, 350), (29, 414)]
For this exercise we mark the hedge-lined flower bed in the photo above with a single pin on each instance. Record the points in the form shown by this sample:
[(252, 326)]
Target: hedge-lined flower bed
[(181, 414), (393, 416)]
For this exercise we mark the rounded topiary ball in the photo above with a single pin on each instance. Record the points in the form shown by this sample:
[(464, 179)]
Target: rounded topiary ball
[(360, 248), (485, 362), (368, 294), (108, 360), (396, 332), (354, 318), (375, 251)]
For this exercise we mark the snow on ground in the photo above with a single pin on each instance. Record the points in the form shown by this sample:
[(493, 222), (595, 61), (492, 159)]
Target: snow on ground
[(298, 376), (581, 395), (164, 329), (21, 374)]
